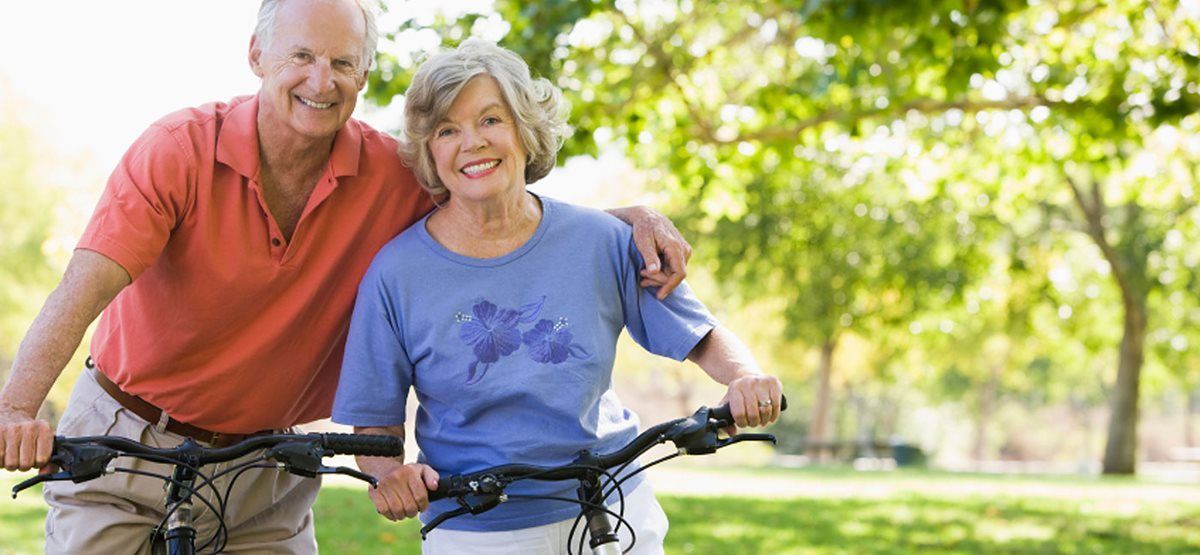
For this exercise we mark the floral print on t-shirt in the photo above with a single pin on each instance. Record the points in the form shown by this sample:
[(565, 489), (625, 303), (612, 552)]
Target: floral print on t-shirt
[(493, 332)]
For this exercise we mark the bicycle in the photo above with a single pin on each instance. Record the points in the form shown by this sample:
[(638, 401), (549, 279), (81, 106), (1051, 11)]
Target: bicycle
[(481, 491), (86, 458)]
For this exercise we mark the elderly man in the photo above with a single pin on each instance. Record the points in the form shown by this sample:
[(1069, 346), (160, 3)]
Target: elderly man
[(225, 253)]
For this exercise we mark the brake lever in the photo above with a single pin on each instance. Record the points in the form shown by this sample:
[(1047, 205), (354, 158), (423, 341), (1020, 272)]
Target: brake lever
[(349, 472), (79, 463), (489, 502), (52, 477), (439, 519), (726, 442)]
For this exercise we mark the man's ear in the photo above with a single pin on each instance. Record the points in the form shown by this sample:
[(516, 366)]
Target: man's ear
[(255, 56), (362, 80)]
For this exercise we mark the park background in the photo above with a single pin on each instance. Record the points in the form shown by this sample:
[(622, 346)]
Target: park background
[(965, 228)]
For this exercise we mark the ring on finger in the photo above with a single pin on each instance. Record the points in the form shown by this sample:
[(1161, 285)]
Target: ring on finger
[(764, 404)]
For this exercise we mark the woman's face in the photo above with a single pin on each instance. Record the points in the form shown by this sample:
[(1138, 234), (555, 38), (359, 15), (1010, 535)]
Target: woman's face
[(475, 147)]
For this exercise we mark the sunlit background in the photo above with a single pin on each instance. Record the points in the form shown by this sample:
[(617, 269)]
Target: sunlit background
[(920, 211)]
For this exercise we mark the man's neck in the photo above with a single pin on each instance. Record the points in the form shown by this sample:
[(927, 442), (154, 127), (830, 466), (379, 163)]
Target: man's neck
[(284, 152)]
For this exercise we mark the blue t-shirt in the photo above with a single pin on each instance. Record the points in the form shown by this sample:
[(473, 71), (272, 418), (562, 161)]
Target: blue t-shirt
[(511, 357)]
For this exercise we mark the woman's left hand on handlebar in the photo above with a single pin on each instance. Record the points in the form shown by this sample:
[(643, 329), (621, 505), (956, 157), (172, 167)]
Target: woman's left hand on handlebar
[(754, 400), (403, 492)]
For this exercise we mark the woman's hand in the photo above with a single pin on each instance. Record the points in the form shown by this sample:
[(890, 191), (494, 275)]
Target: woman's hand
[(754, 400), (403, 492)]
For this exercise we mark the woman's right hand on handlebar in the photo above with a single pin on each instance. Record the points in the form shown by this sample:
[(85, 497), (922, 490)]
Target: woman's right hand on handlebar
[(25, 442), (403, 491)]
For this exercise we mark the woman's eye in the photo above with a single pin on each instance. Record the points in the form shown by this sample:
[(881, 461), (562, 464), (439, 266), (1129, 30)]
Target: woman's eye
[(444, 132), (491, 120)]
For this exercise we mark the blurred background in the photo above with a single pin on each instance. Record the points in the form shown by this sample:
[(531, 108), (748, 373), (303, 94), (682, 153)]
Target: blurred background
[(964, 234)]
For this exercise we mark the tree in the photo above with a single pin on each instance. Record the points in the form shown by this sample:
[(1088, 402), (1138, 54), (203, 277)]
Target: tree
[(26, 220), (736, 104)]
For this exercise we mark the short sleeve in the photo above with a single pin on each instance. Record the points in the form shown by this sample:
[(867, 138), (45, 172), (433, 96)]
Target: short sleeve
[(671, 327), (376, 371), (146, 196)]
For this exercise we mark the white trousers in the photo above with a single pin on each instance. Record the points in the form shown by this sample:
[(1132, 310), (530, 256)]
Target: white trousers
[(642, 512)]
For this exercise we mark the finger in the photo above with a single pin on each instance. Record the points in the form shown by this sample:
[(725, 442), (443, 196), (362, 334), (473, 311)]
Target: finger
[(391, 507), (676, 270), (28, 446), (45, 444), (737, 407), (411, 508), (777, 399), (420, 495), (648, 283), (12, 448), (431, 478), (673, 281), (771, 410), (753, 411), (648, 248)]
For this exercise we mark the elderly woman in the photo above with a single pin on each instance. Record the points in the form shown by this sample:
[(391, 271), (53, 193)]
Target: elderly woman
[(502, 309)]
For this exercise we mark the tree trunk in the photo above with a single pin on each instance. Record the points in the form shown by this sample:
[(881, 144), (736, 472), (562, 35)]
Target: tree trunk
[(818, 430), (1120, 453), (1193, 406), (987, 406)]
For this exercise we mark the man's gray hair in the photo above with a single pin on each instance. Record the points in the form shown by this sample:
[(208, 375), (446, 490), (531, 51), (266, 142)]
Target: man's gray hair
[(266, 26), (538, 107)]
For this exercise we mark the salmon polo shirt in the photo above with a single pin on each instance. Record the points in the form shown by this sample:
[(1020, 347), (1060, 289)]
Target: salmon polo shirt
[(226, 325)]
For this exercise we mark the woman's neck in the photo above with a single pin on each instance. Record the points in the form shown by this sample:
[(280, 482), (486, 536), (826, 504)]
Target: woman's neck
[(486, 229)]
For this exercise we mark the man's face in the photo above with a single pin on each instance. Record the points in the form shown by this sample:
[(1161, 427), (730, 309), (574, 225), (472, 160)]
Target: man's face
[(312, 69)]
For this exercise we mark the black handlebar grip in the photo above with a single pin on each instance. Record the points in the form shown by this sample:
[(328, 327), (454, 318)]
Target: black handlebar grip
[(368, 445), (725, 414)]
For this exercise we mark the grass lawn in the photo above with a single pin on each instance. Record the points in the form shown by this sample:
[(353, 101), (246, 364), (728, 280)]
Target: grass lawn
[(924, 516)]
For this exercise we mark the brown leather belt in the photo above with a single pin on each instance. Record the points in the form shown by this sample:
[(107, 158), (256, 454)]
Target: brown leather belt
[(152, 414)]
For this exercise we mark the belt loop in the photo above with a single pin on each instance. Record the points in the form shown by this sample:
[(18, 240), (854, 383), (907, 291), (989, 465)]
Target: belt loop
[(163, 419)]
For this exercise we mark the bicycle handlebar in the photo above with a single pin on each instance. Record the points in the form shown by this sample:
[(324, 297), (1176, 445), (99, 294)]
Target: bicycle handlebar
[(87, 458), (695, 434)]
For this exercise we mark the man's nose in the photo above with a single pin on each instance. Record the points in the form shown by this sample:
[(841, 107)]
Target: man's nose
[(320, 76)]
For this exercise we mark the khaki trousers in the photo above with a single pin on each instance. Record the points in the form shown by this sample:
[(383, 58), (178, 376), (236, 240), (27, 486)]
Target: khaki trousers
[(268, 511)]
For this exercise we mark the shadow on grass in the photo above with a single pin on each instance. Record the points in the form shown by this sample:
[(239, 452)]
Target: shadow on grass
[(919, 525)]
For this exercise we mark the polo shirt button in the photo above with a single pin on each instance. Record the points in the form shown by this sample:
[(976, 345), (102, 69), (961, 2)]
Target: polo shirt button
[(275, 241)]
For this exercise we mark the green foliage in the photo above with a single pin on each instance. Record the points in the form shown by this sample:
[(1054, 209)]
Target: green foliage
[(959, 182), (27, 210)]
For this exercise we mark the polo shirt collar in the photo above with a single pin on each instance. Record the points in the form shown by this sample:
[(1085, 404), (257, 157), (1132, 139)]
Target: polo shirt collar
[(237, 142)]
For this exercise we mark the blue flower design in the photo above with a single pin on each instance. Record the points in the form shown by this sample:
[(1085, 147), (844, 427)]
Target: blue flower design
[(550, 342), (492, 333)]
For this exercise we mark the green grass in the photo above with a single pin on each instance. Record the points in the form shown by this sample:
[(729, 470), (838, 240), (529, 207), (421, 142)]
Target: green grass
[(1130, 521)]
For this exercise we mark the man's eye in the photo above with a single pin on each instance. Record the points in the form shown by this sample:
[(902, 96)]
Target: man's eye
[(302, 57)]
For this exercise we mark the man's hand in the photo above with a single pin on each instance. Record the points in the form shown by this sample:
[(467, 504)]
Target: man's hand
[(25, 443), (404, 491), (653, 234)]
